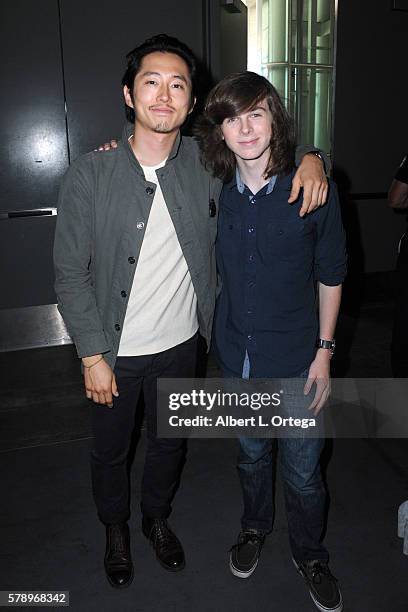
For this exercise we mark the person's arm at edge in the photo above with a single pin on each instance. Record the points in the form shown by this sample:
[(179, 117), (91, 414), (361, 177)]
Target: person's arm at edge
[(398, 195)]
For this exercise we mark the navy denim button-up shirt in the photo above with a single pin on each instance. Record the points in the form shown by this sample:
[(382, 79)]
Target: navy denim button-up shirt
[(269, 260)]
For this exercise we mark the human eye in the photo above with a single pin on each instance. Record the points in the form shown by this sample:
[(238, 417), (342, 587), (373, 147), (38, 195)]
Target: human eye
[(230, 120), (151, 82), (178, 86)]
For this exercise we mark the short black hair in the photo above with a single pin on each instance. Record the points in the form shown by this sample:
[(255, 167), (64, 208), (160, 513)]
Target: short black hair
[(165, 44)]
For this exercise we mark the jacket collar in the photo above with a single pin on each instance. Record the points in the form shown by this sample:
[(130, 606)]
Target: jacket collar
[(128, 131)]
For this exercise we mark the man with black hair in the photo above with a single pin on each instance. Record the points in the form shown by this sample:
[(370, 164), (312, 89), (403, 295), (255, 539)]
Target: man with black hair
[(135, 280), (270, 260)]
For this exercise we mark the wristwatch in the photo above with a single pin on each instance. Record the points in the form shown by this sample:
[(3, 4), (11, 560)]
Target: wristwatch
[(326, 344)]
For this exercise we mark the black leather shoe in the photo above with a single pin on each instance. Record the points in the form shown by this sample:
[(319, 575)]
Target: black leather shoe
[(169, 551), (118, 560)]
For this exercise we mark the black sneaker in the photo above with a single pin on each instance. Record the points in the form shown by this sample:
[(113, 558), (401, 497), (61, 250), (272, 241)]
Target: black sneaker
[(322, 585), (245, 553)]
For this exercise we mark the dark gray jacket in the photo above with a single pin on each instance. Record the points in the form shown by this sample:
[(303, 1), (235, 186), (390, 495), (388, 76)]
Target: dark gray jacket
[(103, 209)]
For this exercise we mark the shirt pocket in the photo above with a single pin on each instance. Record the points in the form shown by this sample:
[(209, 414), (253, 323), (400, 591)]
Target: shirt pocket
[(229, 239), (290, 239)]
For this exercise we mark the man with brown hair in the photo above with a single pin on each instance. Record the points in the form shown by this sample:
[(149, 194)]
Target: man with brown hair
[(270, 260)]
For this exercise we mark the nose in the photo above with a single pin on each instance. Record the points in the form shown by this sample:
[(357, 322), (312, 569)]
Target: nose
[(245, 126), (164, 93)]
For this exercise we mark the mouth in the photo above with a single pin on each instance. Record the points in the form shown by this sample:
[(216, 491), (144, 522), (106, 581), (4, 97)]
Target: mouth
[(248, 143), (161, 110)]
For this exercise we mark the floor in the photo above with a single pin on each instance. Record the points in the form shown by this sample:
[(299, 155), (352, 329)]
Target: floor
[(50, 539)]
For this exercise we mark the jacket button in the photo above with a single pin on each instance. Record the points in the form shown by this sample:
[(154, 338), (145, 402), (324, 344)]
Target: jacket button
[(131, 260), (123, 293), (149, 190), (117, 326), (140, 225)]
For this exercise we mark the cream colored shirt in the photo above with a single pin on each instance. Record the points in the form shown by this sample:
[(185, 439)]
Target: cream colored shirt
[(162, 307)]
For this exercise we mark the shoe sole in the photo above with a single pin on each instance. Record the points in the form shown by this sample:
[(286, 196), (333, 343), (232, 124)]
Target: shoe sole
[(239, 573), (318, 605), (120, 586)]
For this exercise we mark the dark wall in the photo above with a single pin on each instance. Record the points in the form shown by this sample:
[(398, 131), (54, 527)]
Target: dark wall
[(371, 134), (228, 38), (96, 36), (33, 147)]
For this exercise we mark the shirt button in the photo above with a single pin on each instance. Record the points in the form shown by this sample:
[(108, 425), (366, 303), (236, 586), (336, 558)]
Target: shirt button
[(253, 201), (280, 232), (123, 293), (251, 229), (249, 311), (149, 190), (131, 260), (249, 337), (251, 258), (117, 326), (140, 225)]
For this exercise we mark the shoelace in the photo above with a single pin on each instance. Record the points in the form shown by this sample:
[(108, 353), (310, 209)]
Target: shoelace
[(248, 537), (318, 570), (162, 532), (118, 544)]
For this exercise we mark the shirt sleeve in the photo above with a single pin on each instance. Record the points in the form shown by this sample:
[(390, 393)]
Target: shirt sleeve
[(330, 253), (73, 263), (402, 172)]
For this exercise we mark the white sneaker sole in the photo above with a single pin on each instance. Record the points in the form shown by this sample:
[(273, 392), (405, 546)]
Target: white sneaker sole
[(240, 574), (318, 605)]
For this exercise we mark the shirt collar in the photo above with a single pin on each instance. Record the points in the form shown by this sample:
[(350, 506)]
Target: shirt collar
[(241, 186)]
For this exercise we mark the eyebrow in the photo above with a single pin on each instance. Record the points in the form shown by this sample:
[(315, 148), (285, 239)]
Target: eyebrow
[(174, 76)]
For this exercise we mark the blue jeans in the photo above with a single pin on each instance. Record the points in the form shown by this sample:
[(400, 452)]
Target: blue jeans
[(304, 490)]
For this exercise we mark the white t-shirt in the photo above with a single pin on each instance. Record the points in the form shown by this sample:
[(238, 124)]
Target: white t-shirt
[(162, 307)]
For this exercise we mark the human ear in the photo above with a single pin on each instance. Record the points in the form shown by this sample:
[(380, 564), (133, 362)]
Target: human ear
[(128, 96), (193, 103)]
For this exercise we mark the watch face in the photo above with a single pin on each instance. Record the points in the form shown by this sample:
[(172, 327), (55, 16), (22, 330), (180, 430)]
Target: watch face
[(327, 344)]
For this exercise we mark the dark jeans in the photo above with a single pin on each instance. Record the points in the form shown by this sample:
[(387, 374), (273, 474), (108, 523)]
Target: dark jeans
[(305, 493), (113, 428), (399, 343)]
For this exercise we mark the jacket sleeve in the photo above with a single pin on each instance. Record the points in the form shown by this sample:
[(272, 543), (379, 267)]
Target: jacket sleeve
[(302, 150), (73, 254)]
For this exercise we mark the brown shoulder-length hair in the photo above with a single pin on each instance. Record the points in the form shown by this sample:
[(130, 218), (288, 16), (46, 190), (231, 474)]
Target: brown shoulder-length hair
[(236, 94)]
